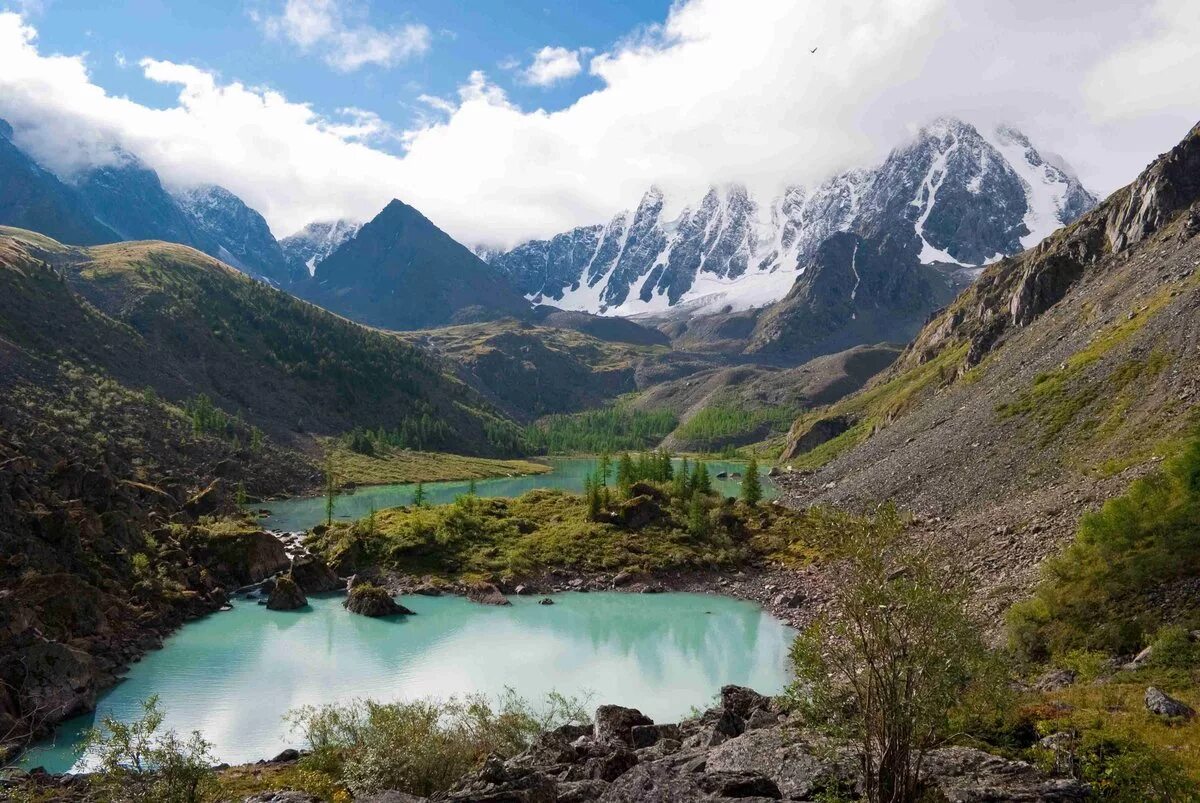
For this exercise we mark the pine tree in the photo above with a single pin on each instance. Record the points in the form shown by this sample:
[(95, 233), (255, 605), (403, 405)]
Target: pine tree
[(681, 484), (668, 471), (625, 473), (330, 487), (701, 483), (419, 495), (604, 470), (751, 486), (697, 517), (471, 487)]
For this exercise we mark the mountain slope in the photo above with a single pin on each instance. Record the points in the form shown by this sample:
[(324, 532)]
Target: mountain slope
[(169, 318), (305, 249), (1039, 392), (955, 195), (242, 236), (33, 198), (402, 272)]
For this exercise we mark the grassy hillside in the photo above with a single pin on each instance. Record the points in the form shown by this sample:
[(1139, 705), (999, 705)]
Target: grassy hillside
[(169, 318), (1042, 391), (530, 371)]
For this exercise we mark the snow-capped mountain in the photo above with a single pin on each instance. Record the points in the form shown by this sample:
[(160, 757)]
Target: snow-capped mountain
[(954, 195), (243, 238), (312, 244)]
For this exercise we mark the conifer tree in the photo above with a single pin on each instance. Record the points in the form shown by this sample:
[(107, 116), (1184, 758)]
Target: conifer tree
[(625, 473), (701, 483), (751, 486), (604, 470), (330, 487), (419, 495), (697, 517)]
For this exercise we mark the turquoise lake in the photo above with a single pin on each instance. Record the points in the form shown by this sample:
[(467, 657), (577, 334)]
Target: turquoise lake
[(302, 513), (233, 675)]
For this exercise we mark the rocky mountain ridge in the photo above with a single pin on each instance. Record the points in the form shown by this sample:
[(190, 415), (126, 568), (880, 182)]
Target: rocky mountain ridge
[(954, 195), (1049, 384)]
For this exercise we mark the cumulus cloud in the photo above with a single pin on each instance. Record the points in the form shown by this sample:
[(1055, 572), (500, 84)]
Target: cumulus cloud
[(322, 26), (552, 65), (715, 93)]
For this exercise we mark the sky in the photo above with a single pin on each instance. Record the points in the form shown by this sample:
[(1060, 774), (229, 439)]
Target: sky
[(504, 121)]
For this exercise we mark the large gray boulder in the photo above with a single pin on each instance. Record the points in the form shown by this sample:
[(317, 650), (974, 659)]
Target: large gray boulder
[(616, 723), (1162, 704), (966, 775)]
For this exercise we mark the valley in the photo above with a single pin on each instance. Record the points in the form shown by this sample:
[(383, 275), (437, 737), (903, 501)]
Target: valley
[(253, 475)]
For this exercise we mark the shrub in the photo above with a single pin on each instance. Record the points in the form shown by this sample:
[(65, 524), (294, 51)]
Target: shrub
[(134, 762), (424, 746), (1093, 596), (889, 666)]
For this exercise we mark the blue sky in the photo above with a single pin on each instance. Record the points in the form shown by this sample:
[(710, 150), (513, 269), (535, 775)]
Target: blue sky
[(223, 36), (683, 95)]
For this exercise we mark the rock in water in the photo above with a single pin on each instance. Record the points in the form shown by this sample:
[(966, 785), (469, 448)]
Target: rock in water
[(313, 575), (286, 595), (487, 594), (1162, 704), (368, 599)]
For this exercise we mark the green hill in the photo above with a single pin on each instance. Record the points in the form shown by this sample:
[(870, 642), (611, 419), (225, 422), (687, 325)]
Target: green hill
[(166, 317)]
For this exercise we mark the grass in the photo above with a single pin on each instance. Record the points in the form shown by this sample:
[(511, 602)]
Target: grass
[(1113, 709), (720, 425), (877, 405), (403, 465), (551, 529)]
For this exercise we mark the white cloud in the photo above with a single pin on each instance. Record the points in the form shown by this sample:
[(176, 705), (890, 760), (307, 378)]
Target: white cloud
[(322, 26), (1158, 69), (718, 92), (552, 65)]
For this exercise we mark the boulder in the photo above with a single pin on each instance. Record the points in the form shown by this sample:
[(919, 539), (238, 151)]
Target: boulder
[(741, 701), (314, 576), (282, 797), (205, 502), (739, 785), (639, 512), (246, 557), (368, 599), (286, 595), (545, 601), (427, 590), (649, 735), (498, 782), (655, 782), (286, 757), (967, 775), (799, 771), (615, 723), (1163, 705), (486, 594), (390, 796)]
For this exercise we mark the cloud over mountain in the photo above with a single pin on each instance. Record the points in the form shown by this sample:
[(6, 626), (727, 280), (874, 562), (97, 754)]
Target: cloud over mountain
[(714, 94)]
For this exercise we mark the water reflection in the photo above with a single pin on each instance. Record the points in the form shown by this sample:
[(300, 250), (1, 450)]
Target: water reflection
[(234, 675)]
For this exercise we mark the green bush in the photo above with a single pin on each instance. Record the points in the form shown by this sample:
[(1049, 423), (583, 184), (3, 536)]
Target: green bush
[(134, 762), (422, 747), (1120, 769), (1094, 596), (1174, 648)]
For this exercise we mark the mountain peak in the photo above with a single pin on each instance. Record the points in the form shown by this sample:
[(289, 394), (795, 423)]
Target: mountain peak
[(400, 271)]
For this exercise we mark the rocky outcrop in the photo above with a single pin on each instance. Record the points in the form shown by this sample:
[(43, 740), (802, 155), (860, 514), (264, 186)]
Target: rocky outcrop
[(244, 558), (487, 594), (314, 576), (745, 749), (286, 595), (819, 432), (368, 599)]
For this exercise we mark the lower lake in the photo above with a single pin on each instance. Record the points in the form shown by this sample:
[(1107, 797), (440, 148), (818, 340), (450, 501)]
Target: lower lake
[(568, 473), (234, 675)]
